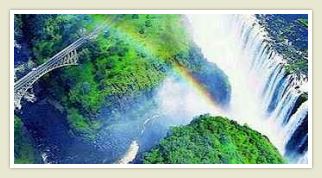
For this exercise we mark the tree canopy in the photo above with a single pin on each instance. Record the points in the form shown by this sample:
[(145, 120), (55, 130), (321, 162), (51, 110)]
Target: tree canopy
[(213, 140)]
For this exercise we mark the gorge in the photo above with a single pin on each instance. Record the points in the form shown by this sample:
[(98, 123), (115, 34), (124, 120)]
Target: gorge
[(148, 73)]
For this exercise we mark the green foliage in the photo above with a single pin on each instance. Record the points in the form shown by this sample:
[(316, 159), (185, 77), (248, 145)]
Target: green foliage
[(296, 66), (303, 22), (213, 140), (84, 92), (24, 152), (114, 65), (81, 125), (51, 37), (289, 37), (121, 61), (164, 35), (128, 57)]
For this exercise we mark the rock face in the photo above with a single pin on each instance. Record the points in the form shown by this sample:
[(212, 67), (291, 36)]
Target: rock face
[(289, 38), (215, 82), (213, 140)]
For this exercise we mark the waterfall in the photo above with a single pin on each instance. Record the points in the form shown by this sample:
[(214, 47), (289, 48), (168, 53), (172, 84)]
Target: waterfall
[(130, 154), (263, 95), (295, 121)]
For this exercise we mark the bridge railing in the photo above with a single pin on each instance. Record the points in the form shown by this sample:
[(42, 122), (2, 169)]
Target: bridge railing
[(26, 81)]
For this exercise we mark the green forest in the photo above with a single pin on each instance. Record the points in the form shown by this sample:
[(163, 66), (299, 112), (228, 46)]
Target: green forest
[(214, 140), (131, 57)]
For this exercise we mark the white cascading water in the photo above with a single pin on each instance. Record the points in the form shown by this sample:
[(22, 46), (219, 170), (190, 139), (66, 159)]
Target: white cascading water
[(263, 96), (130, 154)]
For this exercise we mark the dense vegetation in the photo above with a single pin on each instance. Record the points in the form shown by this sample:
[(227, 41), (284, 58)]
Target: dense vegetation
[(289, 35), (23, 148), (132, 55), (213, 140)]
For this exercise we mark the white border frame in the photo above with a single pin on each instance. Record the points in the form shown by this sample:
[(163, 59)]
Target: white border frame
[(13, 165)]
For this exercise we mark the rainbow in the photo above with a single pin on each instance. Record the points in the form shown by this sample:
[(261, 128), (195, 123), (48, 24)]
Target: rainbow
[(198, 87), (180, 70)]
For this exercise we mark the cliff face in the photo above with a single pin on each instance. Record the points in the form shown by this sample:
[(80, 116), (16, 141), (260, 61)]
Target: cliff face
[(128, 59), (213, 140), (288, 35)]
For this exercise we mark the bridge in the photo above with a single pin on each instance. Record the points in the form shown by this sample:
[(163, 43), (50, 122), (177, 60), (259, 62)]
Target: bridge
[(66, 57)]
